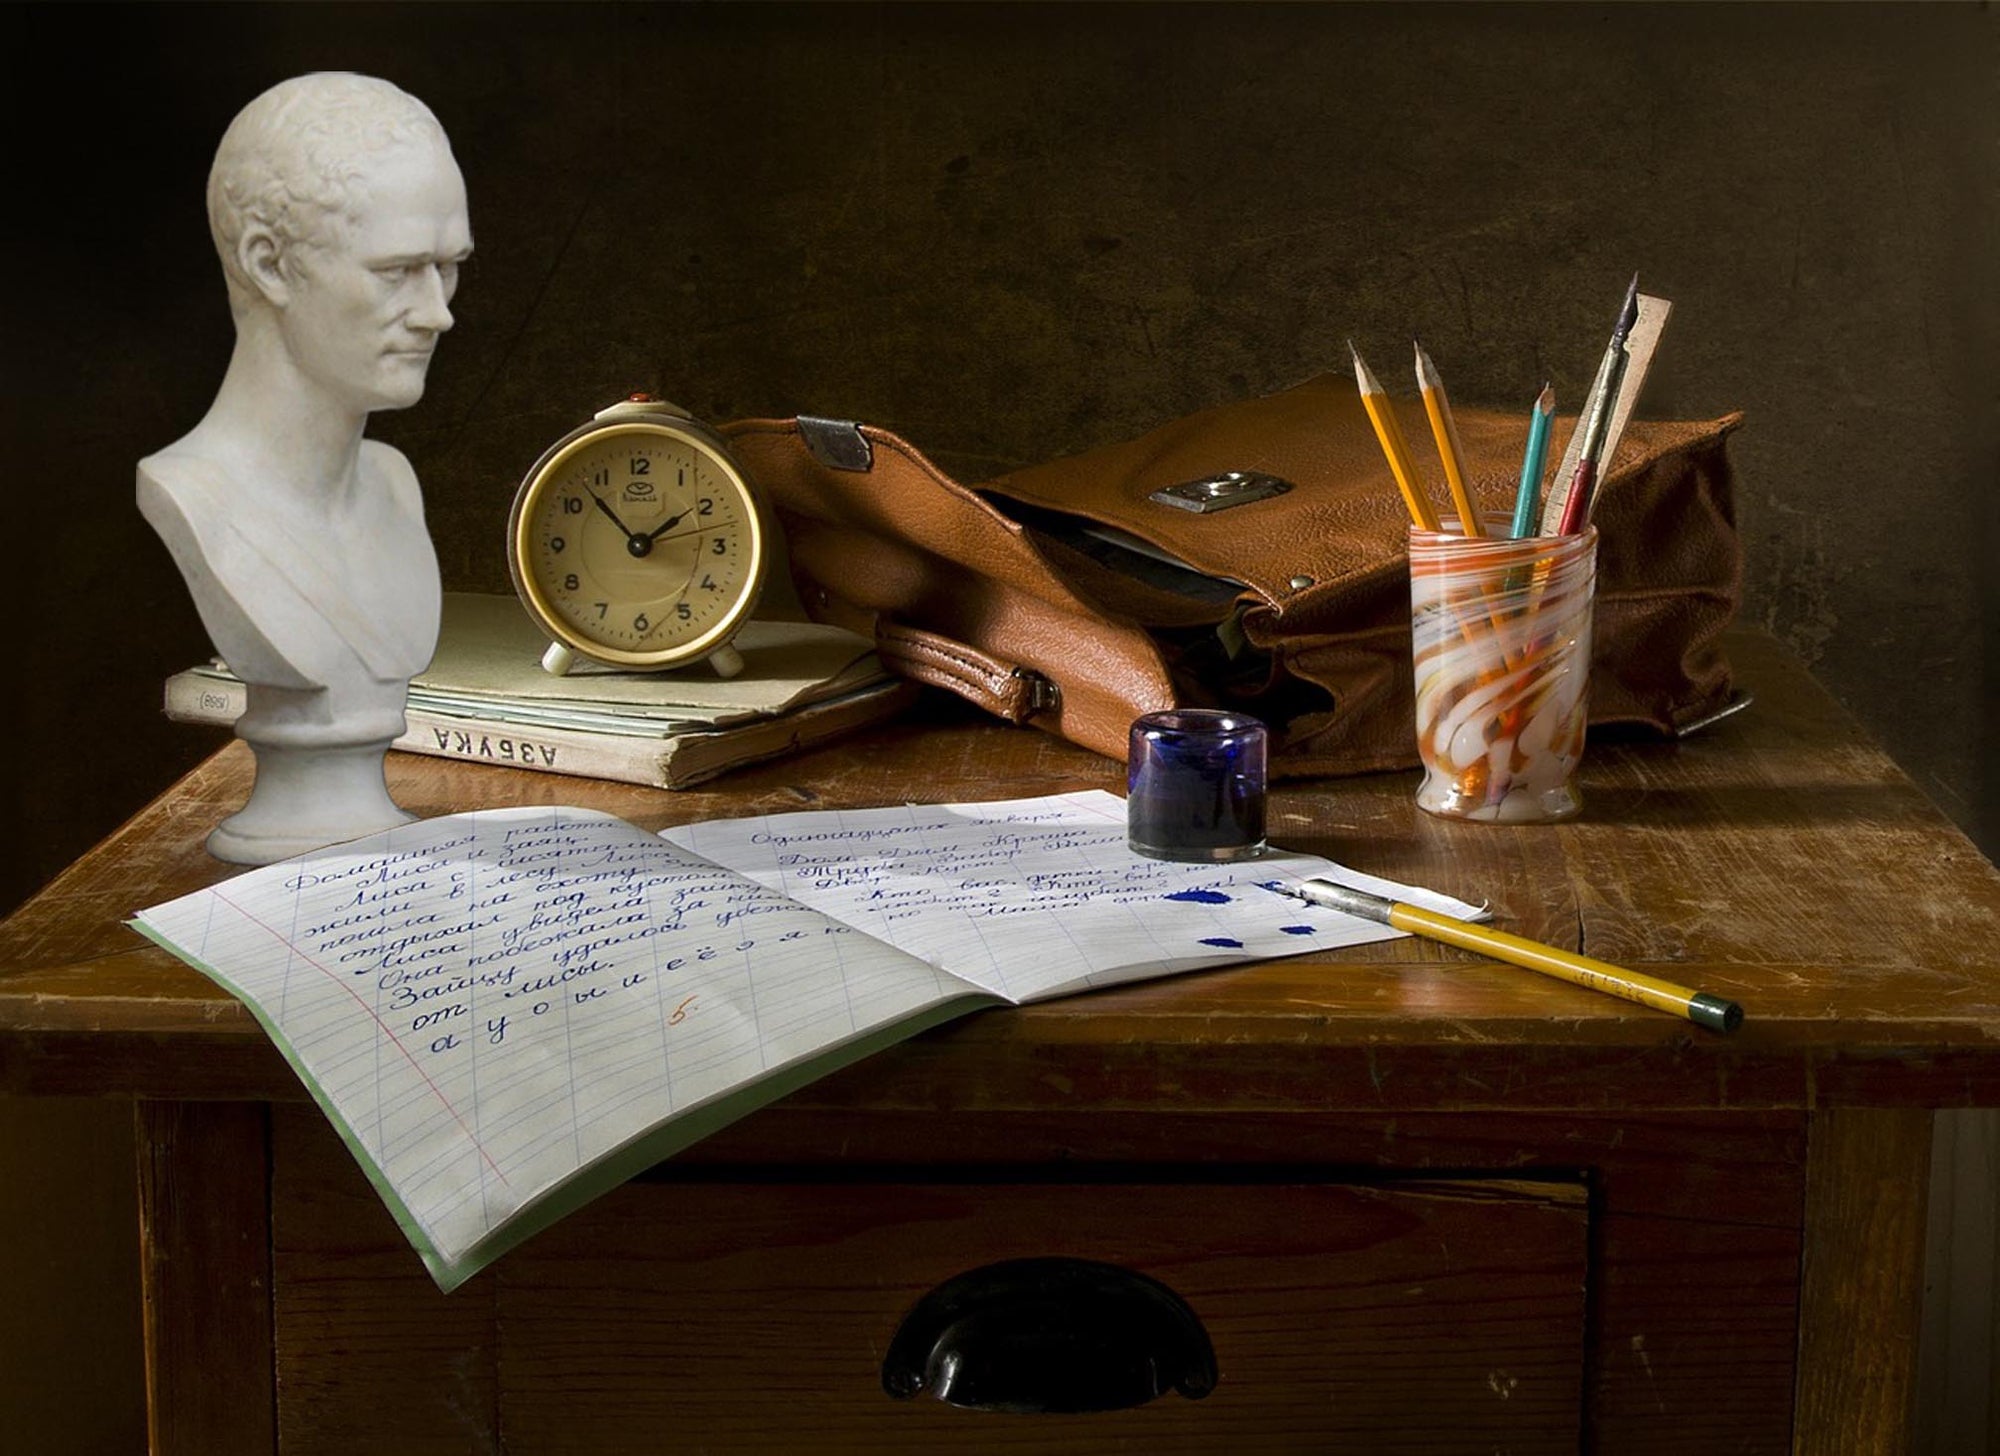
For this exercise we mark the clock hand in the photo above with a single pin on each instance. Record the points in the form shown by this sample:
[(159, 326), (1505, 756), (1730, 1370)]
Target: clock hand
[(694, 530), (630, 534), (639, 543), (697, 529), (668, 524)]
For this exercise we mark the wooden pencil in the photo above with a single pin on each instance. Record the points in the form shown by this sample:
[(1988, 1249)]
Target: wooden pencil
[(1700, 1007), (1445, 431), (1382, 415), (1528, 504)]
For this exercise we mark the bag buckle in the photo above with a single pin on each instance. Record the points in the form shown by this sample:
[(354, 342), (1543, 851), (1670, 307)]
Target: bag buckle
[(837, 444), (1220, 492), (1043, 694)]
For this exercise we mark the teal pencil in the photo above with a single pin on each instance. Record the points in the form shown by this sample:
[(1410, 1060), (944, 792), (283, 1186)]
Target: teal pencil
[(1528, 503)]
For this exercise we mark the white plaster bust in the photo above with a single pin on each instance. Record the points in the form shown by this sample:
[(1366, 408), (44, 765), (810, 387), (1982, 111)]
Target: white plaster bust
[(340, 218)]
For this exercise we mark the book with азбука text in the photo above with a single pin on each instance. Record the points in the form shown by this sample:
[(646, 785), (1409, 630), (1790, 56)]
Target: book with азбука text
[(485, 699)]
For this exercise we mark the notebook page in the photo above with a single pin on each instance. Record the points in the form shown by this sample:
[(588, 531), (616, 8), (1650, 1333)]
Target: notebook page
[(486, 1003), (1033, 898)]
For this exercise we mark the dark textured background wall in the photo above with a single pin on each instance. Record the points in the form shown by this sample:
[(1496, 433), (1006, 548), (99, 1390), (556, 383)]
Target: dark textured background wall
[(1010, 232), (1013, 232)]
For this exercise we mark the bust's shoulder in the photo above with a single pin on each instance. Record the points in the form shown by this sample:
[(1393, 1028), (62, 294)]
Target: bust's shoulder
[(180, 485), (177, 468), (387, 464)]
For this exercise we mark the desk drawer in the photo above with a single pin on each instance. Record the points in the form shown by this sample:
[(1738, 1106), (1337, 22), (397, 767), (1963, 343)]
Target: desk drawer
[(741, 1316)]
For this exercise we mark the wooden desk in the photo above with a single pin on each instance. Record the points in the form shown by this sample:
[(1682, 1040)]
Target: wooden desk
[(1423, 1202)]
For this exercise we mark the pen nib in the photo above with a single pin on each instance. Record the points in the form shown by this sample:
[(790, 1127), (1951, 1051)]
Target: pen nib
[(1628, 312)]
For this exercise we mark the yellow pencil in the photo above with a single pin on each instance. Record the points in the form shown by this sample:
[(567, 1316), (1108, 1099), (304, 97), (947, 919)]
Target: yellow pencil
[(1700, 1007), (1383, 417), (1445, 430)]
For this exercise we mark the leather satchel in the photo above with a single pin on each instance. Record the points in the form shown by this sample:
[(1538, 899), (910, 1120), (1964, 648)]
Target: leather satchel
[(1251, 556)]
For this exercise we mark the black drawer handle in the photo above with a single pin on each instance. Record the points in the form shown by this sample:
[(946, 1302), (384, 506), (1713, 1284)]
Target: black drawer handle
[(1050, 1335)]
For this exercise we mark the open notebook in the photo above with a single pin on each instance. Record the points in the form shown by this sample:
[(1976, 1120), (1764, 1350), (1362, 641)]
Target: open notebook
[(506, 1013)]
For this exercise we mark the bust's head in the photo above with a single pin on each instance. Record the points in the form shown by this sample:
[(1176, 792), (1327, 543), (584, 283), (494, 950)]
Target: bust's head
[(340, 217)]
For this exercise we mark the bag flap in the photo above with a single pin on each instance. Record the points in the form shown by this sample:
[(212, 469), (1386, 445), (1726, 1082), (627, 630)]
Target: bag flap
[(899, 496), (1343, 519)]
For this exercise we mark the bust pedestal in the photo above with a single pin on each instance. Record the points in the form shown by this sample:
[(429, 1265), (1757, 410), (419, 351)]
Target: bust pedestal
[(319, 771), (340, 793)]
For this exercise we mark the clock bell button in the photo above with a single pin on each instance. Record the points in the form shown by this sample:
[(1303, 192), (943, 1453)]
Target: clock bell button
[(641, 403)]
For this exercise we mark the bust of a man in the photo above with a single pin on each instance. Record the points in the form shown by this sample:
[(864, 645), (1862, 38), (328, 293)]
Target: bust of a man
[(340, 218)]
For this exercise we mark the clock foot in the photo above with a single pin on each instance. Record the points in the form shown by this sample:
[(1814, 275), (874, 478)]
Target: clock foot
[(726, 661), (558, 660)]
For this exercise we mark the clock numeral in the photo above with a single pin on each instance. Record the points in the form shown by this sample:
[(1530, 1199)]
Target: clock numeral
[(707, 507), (641, 465), (572, 505), (556, 544), (720, 546), (602, 608), (603, 477), (683, 611), (570, 582), (640, 624), (708, 583)]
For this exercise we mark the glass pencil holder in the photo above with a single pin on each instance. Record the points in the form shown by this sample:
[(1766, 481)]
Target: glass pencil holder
[(1500, 644), (1195, 785)]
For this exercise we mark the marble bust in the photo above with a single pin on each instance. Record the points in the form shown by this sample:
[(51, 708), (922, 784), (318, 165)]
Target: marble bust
[(340, 218)]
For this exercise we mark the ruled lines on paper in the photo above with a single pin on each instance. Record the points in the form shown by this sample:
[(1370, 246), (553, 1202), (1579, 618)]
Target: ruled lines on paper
[(487, 1002), (1030, 898), (492, 1006)]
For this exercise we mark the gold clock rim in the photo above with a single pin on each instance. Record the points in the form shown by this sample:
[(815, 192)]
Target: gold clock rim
[(541, 476)]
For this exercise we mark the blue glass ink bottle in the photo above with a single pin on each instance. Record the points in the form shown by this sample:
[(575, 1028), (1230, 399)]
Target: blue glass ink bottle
[(1195, 785)]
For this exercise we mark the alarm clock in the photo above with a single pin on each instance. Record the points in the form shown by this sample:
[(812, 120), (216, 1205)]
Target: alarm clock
[(635, 541)]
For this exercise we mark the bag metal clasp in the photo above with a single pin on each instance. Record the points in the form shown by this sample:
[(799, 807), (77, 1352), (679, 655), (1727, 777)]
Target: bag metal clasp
[(1220, 492)]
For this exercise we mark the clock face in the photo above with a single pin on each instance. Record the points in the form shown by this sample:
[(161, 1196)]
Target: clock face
[(637, 544)]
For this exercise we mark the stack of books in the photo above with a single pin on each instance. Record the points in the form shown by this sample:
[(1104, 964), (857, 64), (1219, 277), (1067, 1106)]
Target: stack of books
[(485, 699)]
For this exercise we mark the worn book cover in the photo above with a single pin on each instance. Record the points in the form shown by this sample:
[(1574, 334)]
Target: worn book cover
[(485, 699)]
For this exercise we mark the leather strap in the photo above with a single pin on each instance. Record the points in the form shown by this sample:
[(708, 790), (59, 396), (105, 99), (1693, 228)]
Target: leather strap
[(1004, 689)]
